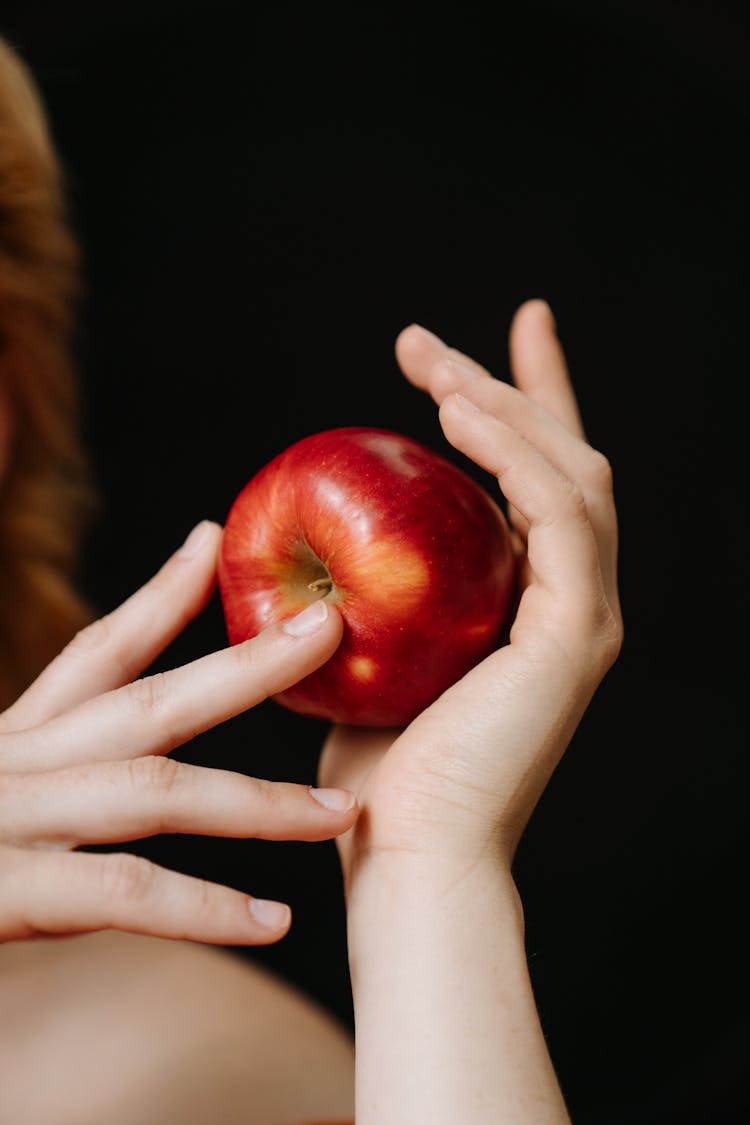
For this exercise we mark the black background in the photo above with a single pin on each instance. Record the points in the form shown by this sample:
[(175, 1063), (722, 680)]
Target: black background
[(265, 196)]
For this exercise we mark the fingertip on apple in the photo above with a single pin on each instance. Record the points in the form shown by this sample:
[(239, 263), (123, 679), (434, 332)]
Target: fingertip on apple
[(334, 800), (307, 621), (414, 554), (314, 618)]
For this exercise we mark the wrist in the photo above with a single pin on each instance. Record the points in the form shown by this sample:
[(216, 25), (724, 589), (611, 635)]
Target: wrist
[(401, 850), (429, 883)]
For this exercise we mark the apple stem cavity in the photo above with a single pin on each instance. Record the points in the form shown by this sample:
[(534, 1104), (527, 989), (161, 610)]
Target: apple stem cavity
[(322, 585)]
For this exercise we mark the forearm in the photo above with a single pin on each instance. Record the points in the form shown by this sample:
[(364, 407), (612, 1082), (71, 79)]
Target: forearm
[(446, 1025)]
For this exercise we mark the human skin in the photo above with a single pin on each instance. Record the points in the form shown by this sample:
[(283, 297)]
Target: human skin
[(83, 760), (435, 924), (128, 1027), (114, 1026), (446, 1025), (125, 1028)]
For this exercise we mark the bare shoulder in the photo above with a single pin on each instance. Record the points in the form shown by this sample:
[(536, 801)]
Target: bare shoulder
[(121, 1028)]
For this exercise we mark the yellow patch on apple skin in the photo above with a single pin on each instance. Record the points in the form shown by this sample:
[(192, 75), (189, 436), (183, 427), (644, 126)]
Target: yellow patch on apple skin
[(389, 570), (362, 668), (481, 629)]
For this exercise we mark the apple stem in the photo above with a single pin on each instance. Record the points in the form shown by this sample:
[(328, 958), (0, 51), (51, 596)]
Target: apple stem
[(321, 584)]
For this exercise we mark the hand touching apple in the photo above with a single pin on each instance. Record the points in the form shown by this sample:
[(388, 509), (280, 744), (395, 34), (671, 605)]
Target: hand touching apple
[(82, 761), (466, 774), (414, 555)]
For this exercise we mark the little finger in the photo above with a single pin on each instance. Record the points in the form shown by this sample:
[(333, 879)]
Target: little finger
[(48, 893)]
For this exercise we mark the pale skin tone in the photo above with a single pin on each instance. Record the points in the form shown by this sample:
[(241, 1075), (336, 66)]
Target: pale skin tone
[(447, 1029), (130, 1028), (83, 759), (446, 1026)]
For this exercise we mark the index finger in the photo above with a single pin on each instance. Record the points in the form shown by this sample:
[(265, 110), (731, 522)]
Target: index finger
[(155, 714), (114, 649), (538, 364)]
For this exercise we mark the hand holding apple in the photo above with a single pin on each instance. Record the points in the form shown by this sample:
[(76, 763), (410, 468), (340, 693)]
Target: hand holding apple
[(466, 774), (411, 551)]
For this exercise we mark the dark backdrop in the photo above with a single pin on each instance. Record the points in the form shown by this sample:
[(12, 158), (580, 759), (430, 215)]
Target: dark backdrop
[(265, 197)]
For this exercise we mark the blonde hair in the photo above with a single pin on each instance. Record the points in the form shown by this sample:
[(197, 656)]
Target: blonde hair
[(45, 492)]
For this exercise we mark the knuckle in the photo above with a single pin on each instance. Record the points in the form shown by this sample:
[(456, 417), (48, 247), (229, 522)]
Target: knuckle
[(103, 638), (612, 637), (93, 637), (605, 635), (154, 774), (255, 661), (126, 878), (147, 694), (573, 503), (264, 792), (599, 473), (20, 793), (247, 655), (8, 787), (206, 905), (205, 899), (446, 373)]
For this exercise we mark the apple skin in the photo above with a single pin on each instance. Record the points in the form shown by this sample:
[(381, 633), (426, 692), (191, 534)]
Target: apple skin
[(413, 553)]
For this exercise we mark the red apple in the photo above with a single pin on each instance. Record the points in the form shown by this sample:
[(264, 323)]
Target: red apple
[(412, 552)]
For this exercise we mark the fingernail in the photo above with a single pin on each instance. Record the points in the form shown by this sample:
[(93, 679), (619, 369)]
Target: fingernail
[(274, 915), (427, 337), (466, 405), (337, 800), (308, 621), (194, 541)]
